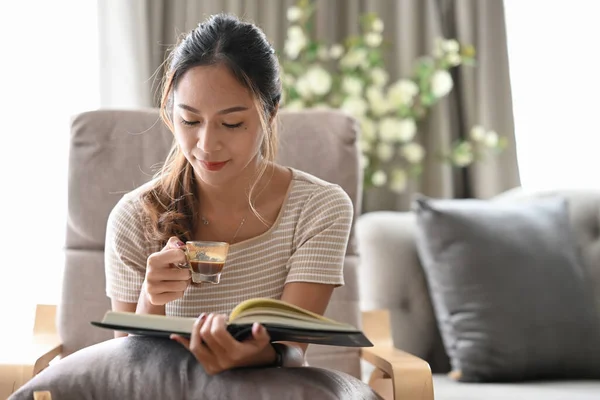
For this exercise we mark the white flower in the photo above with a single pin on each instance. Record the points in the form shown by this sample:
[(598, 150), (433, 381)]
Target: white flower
[(388, 129), (453, 59), (450, 46), (355, 58), (323, 53), (379, 178), (365, 146), (407, 129), (373, 39), (379, 104), (295, 42), (441, 83), (477, 133), (399, 181), (292, 49), (319, 80), (288, 80), (385, 152), (295, 105), (368, 129), (491, 139), (354, 106), (463, 159), (352, 85), (294, 14), (377, 25), (336, 51), (379, 76), (397, 130), (463, 154), (295, 32), (303, 87), (402, 93), (413, 152)]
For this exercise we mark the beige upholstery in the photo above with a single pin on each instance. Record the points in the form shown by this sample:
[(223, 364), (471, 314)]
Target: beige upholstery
[(391, 277), (113, 152)]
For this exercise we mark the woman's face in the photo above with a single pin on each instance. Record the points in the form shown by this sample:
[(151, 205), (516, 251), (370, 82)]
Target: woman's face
[(216, 125)]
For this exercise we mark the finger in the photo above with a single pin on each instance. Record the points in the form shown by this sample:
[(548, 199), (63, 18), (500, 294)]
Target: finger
[(260, 334), (159, 287), (185, 342), (174, 243), (220, 342), (200, 351), (164, 298), (167, 257)]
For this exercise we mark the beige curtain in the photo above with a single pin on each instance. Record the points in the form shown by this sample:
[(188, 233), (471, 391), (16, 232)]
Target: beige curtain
[(135, 35)]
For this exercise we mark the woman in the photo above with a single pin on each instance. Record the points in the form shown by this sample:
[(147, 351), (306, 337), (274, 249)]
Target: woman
[(288, 230)]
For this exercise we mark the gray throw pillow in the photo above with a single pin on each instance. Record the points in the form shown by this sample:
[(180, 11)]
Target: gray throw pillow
[(144, 368), (510, 294)]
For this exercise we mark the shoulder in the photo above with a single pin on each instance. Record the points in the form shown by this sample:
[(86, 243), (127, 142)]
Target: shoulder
[(128, 210), (313, 193)]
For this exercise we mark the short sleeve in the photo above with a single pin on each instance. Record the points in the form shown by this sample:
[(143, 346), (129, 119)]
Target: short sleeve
[(125, 252), (321, 238)]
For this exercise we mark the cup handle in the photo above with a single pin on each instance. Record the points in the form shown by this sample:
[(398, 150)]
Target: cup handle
[(186, 264)]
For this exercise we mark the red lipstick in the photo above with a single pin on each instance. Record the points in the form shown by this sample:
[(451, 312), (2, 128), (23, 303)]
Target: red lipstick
[(213, 166)]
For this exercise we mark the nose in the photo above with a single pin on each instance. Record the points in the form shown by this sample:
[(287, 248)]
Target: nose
[(208, 140)]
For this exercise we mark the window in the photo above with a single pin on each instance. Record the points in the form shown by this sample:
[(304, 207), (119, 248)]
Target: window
[(50, 71), (555, 79)]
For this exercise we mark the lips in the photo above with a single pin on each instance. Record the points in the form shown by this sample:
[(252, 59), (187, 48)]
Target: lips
[(213, 166)]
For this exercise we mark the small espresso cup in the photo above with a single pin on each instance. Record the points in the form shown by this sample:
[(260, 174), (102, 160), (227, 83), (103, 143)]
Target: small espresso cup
[(205, 260)]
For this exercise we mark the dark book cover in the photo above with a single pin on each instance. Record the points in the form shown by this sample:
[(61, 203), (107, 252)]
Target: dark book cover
[(276, 332)]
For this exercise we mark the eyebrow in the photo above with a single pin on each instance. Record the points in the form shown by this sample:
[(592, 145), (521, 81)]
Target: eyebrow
[(225, 111)]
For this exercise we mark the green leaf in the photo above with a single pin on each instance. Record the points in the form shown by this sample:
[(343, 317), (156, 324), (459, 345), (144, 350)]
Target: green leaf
[(502, 143), (469, 63), (428, 99), (415, 170)]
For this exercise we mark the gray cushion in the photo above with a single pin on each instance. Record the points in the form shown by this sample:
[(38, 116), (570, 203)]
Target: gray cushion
[(447, 389), (145, 368), (510, 295)]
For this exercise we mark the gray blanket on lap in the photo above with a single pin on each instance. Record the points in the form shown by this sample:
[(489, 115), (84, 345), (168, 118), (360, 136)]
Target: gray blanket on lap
[(146, 368)]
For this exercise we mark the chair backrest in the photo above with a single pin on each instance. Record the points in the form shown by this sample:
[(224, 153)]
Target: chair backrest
[(114, 151)]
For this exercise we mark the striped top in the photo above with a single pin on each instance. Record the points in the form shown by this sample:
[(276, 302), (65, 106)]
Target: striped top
[(307, 243)]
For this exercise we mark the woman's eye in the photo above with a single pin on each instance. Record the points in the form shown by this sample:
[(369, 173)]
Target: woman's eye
[(188, 123), (232, 126)]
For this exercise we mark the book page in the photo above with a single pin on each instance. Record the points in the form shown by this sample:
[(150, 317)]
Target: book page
[(257, 313), (276, 320), (147, 321), (287, 308)]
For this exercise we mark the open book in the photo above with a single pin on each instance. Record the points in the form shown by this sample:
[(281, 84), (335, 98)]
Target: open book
[(283, 321)]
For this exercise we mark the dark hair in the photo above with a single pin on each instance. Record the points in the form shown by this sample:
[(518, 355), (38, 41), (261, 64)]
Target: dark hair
[(243, 48)]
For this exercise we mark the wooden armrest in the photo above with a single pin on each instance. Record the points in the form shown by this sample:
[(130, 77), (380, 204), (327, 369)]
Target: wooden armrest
[(410, 376), (43, 350), (46, 344), (28, 356)]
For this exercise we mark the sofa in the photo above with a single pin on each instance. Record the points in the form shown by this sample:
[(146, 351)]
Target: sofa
[(111, 153), (393, 276)]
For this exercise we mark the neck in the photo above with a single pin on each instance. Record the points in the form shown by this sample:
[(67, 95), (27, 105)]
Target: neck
[(229, 198)]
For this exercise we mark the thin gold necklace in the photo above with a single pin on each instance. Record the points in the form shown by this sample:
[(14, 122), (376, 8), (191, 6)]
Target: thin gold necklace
[(205, 222)]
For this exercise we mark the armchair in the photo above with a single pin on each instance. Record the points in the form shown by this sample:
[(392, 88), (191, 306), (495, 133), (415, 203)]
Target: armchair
[(113, 152)]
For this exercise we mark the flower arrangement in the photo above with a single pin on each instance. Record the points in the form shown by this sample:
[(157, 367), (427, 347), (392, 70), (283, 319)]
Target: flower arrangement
[(352, 76)]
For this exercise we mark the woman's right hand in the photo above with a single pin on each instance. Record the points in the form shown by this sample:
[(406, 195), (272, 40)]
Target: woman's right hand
[(165, 281)]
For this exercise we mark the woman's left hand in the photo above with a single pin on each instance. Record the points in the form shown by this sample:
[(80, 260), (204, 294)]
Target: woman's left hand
[(217, 351)]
